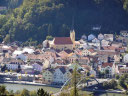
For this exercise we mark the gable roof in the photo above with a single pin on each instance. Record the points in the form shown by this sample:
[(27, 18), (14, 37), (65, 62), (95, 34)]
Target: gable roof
[(62, 69), (62, 40), (107, 64)]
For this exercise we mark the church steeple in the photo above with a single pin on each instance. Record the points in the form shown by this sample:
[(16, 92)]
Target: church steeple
[(72, 35), (72, 31)]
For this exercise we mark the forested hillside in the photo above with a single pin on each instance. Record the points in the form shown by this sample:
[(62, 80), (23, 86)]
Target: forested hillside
[(35, 19), (11, 3)]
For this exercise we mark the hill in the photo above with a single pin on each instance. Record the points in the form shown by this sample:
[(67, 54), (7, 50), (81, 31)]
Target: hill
[(35, 19)]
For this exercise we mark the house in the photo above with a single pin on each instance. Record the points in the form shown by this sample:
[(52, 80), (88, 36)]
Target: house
[(117, 44), (46, 64), (64, 43), (123, 69), (77, 44), (121, 50), (61, 75), (104, 43), (45, 44), (38, 66), (47, 76), (110, 69), (87, 52), (109, 48), (28, 50), (107, 69), (84, 60), (91, 37), (120, 38), (92, 72), (27, 69), (63, 54), (21, 56), (95, 40), (124, 33), (117, 58), (109, 37), (100, 36), (72, 66), (102, 58), (73, 57), (84, 37), (14, 63), (126, 58)]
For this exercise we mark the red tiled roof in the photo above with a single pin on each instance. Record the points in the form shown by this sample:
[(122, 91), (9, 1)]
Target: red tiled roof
[(107, 64), (91, 50), (109, 48), (62, 40)]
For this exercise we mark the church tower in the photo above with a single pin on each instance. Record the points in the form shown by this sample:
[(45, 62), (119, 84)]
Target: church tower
[(72, 35)]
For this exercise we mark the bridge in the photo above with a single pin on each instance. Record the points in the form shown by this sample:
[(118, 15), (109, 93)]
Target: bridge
[(80, 85)]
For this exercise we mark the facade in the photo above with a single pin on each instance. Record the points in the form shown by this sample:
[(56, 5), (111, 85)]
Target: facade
[(47, 76), (91, 37), (13, 64), (87, 52), (109, 37), (38, 66), (126, 58), (100, 36), (95, 40), (61, 75), (107, 67), (64, 43), (104, 43)]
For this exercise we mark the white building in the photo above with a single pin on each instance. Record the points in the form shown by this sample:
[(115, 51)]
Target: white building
[(105, 43), (91, 37), (126, 58), (61, 75), (100, 36), (109, 37), (95, 40), (13, 64)]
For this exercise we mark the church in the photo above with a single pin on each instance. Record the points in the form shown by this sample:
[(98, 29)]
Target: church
[(63, 43)]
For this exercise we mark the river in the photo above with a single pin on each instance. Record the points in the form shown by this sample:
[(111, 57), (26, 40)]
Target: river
[(16, 87)]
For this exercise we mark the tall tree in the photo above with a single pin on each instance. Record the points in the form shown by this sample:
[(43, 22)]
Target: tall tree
[(41, 92)]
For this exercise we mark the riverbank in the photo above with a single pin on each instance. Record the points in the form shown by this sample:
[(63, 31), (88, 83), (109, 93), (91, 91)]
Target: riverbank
[(16, 87), (106, 91), (30, 83)]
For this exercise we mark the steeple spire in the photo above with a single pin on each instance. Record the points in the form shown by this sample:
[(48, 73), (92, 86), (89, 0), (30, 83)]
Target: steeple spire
[(72, 27)]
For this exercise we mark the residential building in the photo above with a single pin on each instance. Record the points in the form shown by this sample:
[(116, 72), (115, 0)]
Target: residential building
[(47, 76)]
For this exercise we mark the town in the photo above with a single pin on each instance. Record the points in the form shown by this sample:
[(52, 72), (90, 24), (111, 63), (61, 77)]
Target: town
[(102, 56)]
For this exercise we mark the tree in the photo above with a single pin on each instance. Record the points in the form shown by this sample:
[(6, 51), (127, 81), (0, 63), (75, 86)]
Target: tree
[(123, 81), (41, 92), (49, 37), (75, 79), (25, 92), (117, 76), (33, 93), (54, 17), (106, 73), (2, 90), (50, 29), (110, 85), (19, 69), (7, 39), (113, 84), (105, 85), (3, 68)]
